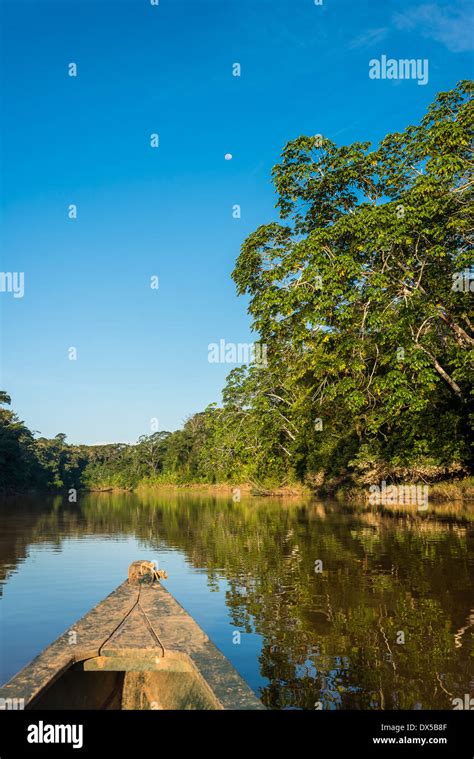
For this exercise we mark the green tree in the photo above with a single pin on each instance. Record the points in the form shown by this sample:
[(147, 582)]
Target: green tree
[(355, 292), (18, 465)]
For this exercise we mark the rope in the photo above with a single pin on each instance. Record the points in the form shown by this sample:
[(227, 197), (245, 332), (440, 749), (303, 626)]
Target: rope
[(119, 625), (149, 624)]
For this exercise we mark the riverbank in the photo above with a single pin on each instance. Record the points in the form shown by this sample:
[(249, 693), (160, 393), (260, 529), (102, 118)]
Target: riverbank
[(459, 493), (455, 491), (224, 488)]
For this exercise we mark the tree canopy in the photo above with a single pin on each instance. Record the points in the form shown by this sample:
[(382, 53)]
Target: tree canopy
[(362, 296)]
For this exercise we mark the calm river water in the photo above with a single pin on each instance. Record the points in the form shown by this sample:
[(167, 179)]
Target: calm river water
[(387, 623)]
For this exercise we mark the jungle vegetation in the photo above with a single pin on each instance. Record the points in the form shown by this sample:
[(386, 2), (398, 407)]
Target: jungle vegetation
[(362, 295)]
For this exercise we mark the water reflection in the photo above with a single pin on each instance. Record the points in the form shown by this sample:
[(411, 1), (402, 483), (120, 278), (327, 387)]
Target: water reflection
[(337, 608)]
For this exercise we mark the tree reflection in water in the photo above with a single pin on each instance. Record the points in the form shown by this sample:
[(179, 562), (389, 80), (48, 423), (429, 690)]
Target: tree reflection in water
[(329, 638)]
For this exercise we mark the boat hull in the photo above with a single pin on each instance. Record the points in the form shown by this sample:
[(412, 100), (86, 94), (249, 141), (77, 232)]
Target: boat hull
[(129, 655)]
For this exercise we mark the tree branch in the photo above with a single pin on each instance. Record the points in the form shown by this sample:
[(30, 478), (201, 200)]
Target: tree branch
[(452, 384)]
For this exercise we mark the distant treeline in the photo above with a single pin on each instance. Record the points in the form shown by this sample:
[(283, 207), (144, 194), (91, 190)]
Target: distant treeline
[(362, 300)]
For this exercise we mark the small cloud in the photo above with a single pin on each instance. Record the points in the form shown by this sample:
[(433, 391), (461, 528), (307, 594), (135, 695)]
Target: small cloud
[(452, 27), (369, 38)]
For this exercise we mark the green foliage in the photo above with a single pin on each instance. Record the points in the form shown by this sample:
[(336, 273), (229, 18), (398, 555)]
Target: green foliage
[(354, 296), (369, 345), (18, 465)]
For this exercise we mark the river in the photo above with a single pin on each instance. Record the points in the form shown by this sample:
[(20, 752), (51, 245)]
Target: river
[(316, 604)]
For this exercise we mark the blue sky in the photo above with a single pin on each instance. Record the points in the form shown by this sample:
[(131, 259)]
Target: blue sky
[(143, 353)]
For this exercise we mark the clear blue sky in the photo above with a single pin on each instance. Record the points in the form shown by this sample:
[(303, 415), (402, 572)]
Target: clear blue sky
[(143, 353)]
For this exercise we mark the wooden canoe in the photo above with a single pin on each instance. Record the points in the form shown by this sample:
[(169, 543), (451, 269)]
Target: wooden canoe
[(137, 649)]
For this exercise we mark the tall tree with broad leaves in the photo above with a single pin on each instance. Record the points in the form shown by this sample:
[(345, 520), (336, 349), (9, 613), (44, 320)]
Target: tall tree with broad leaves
[(364, 291)]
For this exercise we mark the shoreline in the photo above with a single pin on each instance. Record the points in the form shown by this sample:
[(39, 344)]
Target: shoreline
[(449, 491), (443, 497)]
